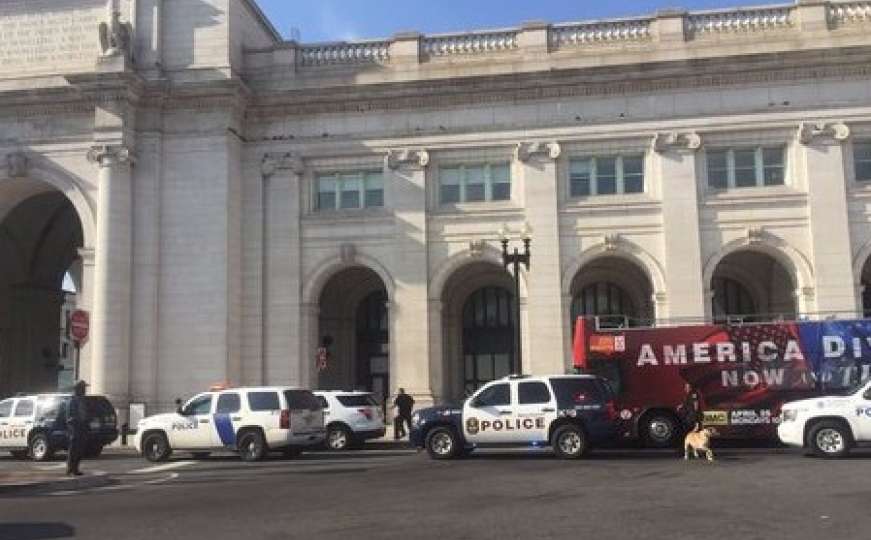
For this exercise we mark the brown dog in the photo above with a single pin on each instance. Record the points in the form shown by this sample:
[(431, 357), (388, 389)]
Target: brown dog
[(698, 439)]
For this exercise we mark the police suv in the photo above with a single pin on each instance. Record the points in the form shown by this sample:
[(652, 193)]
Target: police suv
[(36, 425), (570, 413), (828, 426), (351, 417), (250, 421)]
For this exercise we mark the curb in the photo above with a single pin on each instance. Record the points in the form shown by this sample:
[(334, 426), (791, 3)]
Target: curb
[(81, 482)]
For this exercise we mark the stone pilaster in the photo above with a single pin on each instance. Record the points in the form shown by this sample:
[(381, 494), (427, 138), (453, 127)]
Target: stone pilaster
[(405, 172), (110, 358), (282, 271), (822, 157), (675, 165), (544, 326)]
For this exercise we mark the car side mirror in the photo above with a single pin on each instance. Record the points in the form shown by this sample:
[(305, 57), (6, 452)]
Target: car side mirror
[(475, 403), (178, 408)]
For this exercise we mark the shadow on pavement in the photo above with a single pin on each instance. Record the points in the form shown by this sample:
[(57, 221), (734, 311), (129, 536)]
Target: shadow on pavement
[(35, 531)]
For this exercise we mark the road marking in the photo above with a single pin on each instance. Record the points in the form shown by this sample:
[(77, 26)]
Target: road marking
[(161, 468), (55, 467), (172, 476)]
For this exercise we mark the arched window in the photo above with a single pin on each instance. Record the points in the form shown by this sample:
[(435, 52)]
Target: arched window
[(488, 336), (608, 301), (732, 299)]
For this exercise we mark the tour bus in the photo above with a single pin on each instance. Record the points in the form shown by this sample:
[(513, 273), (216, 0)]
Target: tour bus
[(742, 372)]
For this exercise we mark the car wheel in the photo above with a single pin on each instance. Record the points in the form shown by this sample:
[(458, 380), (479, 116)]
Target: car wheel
[(155, 447), (19, 454), (569, 442), (443, 443), (339, 438), (252, 447), (830, 440), (201, 455), (660, 430), (40, 449), (291, 452)]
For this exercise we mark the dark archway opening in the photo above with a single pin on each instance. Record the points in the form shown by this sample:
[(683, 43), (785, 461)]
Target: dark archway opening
[(750, 286)]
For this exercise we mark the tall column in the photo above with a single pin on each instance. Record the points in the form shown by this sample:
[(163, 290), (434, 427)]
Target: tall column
[(282, 271), (543, 323), (676, 160), (822, 156), (85, 301), (410, 313), (110, 360)]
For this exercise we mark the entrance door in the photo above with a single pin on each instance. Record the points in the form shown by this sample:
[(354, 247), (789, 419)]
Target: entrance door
[(488, 337), (379, 381)]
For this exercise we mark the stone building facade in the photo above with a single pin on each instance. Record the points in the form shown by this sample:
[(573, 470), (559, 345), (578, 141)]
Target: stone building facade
[(227, 202)]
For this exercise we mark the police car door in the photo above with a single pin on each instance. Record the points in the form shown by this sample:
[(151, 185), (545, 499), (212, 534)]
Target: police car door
[(21, 422), (863, 417), (5, 417), (193, 427), (486, 413), (535, 410)]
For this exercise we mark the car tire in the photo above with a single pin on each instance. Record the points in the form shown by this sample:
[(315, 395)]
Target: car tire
[(830, 440), (291, 452), (19, 454), (660, 430), (339, 438), (40, 448), (155, 447), (200, 455), (443, 443), (569, 442), (252, 446)]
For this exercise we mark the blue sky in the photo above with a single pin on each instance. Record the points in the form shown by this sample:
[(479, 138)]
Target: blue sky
[(333, 20)]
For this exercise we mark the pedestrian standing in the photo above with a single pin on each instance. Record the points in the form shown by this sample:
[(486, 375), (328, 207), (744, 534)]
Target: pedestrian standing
[(77, 422), (692, 408), (403, 405)]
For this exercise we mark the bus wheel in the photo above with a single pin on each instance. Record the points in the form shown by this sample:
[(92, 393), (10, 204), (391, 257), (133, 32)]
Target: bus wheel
[(659, 430)]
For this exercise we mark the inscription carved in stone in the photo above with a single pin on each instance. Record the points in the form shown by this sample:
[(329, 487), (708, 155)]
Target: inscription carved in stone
[(44, 41)]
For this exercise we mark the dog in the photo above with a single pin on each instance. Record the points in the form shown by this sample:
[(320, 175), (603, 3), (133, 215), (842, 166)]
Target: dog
[(698, 439)]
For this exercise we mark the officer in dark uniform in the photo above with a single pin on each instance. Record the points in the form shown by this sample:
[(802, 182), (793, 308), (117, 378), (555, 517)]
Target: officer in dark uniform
[(404, 404), (692, 408), (77, 424)]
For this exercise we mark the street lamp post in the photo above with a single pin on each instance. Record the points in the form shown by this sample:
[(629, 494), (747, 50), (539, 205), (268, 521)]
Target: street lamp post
[(514, 259)]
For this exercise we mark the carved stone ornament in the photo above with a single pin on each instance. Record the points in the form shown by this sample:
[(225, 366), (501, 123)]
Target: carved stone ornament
[(347, 253), (823, 133), (755, 235), (106, 155), (674, 141), (274, 162), (407, 157), (16, 165), (546, 150), (116, 37), (477, 247), (612, 242), (804, 293)]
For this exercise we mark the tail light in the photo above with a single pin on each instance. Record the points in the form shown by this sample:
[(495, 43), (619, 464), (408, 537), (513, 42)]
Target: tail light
[(284, 423), (611, 409), (365, 412)]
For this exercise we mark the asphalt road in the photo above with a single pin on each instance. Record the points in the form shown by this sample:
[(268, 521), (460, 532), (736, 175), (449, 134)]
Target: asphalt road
[(747, 494)]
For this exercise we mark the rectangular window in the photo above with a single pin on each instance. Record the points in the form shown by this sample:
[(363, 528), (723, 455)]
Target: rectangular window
[(263, 401), (301, 400), (862, 160), (532, 393), (475, 183), (609, 175), (24, 408), (228, 403), (350, 191), (746, 167)]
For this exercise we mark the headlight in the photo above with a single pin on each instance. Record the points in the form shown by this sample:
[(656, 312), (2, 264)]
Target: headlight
[(415, 419), (790, 415)]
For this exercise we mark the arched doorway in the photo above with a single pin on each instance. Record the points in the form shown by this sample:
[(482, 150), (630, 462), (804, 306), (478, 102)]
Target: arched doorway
[(479, 325), (750, 286), (353, 325), (40, 236), (615, 290)]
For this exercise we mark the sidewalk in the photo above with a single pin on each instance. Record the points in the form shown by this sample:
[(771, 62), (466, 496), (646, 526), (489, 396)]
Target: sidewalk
[(15, 481)]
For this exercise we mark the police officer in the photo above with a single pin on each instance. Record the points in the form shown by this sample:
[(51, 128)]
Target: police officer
[(404, 404), (692, 408), (77, 423)]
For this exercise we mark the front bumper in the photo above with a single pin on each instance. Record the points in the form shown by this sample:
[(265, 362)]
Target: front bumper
[(791, 433)]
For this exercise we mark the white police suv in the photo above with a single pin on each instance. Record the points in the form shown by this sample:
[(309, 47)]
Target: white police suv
[(570, 413), (351, 417), (828, 426), (250, 421)]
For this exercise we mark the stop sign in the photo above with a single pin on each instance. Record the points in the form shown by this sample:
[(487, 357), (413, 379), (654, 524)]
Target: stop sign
[(80, 324)]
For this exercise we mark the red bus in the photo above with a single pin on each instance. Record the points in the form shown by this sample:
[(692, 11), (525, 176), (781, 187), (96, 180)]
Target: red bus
[(742, 373)]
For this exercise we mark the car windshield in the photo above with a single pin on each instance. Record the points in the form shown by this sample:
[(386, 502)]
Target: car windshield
[(357, 400)]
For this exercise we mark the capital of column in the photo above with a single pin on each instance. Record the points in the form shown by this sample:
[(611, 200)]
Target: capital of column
[(108, 155), (674, 141), (823, 133), (411, 158), (272, 163), (16, 165), (526, 151), (804, 293), (86, 254)]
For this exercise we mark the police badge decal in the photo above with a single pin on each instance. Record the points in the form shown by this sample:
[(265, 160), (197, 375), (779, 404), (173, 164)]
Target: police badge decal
[(472, 426)]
